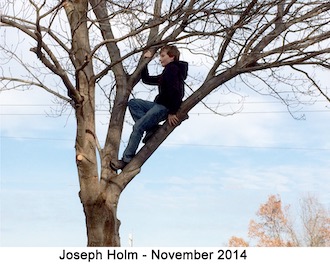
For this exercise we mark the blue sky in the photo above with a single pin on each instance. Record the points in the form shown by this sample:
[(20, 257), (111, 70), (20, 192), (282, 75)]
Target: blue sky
[(202, 186)]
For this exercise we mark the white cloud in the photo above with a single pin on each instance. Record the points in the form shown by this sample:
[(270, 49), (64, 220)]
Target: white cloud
[(240, 129)]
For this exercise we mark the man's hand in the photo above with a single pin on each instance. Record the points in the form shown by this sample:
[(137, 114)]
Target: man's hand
[(173, 120)]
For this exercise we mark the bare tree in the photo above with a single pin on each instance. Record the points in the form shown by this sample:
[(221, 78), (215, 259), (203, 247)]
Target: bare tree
[(316, 222), (83, 45)]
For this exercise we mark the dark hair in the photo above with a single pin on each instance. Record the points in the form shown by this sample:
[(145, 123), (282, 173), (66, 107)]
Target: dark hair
[(171, 51)]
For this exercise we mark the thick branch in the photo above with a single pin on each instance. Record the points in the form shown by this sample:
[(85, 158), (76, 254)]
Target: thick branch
[(100, 11)]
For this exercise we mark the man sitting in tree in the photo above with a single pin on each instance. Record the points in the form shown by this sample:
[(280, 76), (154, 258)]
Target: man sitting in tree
[(146, 114)]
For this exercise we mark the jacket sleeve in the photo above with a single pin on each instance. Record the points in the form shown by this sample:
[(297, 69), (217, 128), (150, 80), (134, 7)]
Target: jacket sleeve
[(147, 79)]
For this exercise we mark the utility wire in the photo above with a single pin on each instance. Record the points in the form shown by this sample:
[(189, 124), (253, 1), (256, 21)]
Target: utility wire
[(192, 113), (211, 103), (186, 145), (99, 109)]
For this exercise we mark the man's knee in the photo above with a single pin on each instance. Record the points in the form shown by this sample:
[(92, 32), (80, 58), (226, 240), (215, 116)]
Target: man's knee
[(133, 102)]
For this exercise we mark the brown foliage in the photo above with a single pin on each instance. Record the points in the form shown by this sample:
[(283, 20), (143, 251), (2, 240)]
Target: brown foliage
[(272, 228), (237, 242)]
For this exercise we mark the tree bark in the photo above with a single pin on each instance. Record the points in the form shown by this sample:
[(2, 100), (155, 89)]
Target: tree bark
[(100, 208)]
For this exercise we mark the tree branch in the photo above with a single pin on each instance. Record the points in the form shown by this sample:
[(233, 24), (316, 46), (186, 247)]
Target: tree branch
[(312, 81)]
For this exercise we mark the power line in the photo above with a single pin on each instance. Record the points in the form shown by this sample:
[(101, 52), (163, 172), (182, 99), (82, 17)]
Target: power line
[(187, 145), (36, 138), (252, 147), (99, 109), (211, 103), (192, 113)]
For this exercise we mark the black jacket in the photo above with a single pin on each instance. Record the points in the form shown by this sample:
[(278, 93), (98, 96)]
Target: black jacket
[(170, 84)]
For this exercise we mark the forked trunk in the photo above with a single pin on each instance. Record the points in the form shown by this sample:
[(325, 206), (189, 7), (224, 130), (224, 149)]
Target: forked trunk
[(99, 198), (99, 195)]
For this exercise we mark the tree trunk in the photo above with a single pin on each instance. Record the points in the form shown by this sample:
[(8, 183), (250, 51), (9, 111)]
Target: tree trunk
[(99, 197), (102, 223)]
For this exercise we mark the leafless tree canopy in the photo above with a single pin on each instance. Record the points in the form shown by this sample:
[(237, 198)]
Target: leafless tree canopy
[(237, 36), (72, 48)]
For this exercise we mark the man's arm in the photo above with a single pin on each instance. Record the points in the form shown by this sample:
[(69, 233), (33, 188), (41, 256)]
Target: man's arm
[(146, 78)]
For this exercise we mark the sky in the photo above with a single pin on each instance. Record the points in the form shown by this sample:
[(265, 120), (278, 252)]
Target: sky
[(202, 186)]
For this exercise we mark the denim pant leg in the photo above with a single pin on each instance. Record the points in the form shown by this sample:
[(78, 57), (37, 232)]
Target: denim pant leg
[(155, 115), (138, 108)]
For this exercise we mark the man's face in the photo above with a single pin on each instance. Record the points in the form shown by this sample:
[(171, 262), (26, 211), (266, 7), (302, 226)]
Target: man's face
[(165, 59)]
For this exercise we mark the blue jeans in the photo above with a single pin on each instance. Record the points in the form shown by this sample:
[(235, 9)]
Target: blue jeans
[(146, 115)]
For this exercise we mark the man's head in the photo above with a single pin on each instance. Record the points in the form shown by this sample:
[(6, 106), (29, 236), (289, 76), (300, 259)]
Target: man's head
[(168, 54)]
